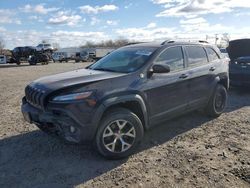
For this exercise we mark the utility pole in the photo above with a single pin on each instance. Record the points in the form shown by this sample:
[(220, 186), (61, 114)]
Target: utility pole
[(216, 39)]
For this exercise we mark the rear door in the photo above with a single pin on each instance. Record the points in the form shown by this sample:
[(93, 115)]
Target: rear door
[(201, 75), (167, 92)]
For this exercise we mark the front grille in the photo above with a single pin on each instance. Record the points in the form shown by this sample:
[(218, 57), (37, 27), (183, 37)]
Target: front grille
[(34, 96)]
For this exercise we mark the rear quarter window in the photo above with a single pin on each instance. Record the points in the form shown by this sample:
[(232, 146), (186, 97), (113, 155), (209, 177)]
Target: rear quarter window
[(196, 55)]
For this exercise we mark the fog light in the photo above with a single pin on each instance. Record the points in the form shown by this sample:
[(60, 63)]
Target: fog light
[(72, 129)]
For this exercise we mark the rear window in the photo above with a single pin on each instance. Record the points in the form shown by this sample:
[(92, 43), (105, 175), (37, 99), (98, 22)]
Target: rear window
[(196, 55), (212, 55)]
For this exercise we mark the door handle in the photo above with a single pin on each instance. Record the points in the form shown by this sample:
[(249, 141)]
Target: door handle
[(183, 76), (212, 69)]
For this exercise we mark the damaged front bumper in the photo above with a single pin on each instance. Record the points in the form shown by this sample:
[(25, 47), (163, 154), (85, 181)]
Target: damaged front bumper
[(59, 122)]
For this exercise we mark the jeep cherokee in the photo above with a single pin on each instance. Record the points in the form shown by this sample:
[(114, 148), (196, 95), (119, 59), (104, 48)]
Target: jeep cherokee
[(115, 100)]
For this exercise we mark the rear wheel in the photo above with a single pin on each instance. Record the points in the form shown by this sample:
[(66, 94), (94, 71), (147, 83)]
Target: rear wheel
[(217, 103), (119, 134)]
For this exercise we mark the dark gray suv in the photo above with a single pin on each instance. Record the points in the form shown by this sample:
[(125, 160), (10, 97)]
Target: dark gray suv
[(115, 100)]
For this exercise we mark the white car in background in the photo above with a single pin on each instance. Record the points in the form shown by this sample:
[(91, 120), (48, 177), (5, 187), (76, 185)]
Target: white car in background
[(44, 47), (3, 59)]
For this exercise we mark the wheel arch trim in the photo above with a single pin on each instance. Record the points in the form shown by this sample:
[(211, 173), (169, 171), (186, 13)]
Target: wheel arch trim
[(118, 100)]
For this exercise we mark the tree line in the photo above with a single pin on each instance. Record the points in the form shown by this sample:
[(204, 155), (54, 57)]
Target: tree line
[(108, 43)]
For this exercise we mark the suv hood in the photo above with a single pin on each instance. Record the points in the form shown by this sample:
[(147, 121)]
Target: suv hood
[(238, 48), (81, 76)]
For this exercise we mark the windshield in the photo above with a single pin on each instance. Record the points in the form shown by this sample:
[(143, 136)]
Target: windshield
[(124, 60)]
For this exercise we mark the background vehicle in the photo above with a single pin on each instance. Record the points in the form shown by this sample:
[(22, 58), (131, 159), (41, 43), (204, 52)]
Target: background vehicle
[(3, 59), (224, 52), (39, 57), (239, 68), (66, 54), (44, 47), (99, 52), (83, 56), (60, 56), (22, 53), (115, 100)]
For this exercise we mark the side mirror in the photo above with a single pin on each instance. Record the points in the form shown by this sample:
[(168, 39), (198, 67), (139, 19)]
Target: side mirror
[(159, 68)]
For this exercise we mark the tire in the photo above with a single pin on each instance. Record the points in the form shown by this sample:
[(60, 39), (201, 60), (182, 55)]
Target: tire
[(217, 102), (116, 122)]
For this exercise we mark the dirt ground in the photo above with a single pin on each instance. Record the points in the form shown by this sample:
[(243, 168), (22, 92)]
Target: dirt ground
[(190, 151)]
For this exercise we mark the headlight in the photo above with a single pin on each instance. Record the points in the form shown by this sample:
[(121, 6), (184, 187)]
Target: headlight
[(73, 96)]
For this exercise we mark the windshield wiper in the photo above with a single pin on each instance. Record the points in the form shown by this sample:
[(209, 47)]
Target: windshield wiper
[(104, 69)]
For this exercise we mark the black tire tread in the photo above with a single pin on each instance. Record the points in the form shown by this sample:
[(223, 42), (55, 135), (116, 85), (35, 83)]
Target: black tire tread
[(210, 109)]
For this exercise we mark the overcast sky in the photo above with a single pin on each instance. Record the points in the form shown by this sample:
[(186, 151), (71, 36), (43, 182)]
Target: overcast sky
[(73, 22)]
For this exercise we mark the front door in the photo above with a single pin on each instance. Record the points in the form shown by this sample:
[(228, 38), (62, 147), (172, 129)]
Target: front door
[(167, 92)]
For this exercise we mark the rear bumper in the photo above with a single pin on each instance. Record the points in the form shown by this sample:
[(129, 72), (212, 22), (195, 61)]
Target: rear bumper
[(60, 122)]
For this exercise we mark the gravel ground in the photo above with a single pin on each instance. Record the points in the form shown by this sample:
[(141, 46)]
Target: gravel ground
[(190, 151)]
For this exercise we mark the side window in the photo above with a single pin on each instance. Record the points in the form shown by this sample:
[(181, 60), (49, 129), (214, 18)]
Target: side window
[(212, 55), (196, 55), (173, 57)]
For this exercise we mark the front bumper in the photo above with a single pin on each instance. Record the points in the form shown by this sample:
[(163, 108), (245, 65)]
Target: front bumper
[(60, 122)]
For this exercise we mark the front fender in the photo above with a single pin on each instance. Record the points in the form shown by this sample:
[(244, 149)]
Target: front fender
[(117, 100)]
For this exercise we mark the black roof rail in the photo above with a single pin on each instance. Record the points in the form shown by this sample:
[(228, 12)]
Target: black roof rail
[(132, 43), (203, 41), (167, 41), (183, 40)]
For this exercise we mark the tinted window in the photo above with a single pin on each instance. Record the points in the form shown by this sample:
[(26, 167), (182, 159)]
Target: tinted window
[(172, 57), (196, 55), (212, 55)]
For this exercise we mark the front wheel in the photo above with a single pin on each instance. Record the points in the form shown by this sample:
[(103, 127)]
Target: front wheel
[(119, 134), (218, 101)]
